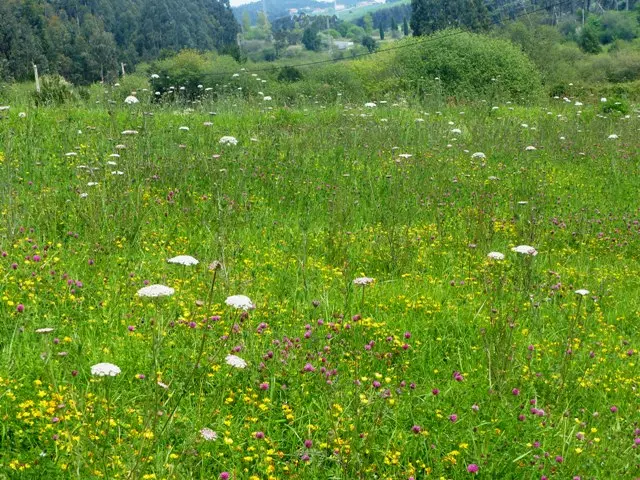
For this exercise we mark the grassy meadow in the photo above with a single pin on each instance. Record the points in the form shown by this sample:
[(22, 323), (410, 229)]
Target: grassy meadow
[(450, 364)]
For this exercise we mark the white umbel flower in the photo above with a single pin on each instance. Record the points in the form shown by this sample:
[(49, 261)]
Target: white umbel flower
[(44, 330), (186, 260), (131, 100), (479, 155), (228, 140), (129, 132), (208, 434), (155, 76), (531, 148), (154, 291), (184, 129), (241, 302), (525, 250), (370, 105), (267, 98), (456, 131), (363, 281), (496, 255), (613, 136), (582, 292), (235, 361), (105, 370)]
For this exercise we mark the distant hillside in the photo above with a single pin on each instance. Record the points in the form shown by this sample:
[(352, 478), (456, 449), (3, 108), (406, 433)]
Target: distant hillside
[(280, 8), (87, 40)]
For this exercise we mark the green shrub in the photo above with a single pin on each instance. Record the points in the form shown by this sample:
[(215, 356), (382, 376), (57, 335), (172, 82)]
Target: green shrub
[(469, 66), (189, 73), (289, 74), (615, 105), (54, 90)]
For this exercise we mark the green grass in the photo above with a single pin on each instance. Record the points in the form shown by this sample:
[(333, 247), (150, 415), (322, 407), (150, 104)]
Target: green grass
[(311, 198)]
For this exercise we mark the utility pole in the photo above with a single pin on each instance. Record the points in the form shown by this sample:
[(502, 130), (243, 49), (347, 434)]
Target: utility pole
[(35, 72)]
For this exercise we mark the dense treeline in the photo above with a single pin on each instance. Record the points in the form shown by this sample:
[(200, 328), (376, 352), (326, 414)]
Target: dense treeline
[(386, 17), (86, 40)]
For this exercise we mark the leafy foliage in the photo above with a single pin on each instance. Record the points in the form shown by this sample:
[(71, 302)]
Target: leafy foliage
[(432, 15), (54, 90), (86, 41), (469, 65)]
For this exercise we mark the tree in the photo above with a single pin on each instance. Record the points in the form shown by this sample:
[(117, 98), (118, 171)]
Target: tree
[(263, 24), (381, 33), (394, 24), (310, 39), (588, 39), (368, 24), (370, 44), (405, 27), (246, 22), (432, 15)]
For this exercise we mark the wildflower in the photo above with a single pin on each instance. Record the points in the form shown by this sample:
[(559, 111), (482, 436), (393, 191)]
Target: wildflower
[(129, 132), (235, 361), (44, 330), (416, 429), (472, 468), (456, 131), (20, 308), (515, 392), (105, 370), (241, 302), (183, 260), (153, 291), (224, 476), (613, 136), (184, 129), (530, 148), (525, 250), (208, 434), (228, 140), (363, 281), (131, 100), (309, 368), (370, 105), (308, 443), (479, 155), (453, 418), (582, 292), (267, 98), (496, 255), (613, 409), (475, 407)]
